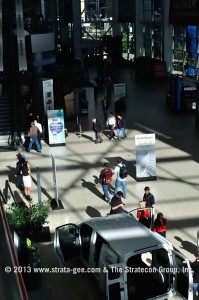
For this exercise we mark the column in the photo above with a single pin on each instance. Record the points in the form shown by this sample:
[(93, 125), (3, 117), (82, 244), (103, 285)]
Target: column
[(139, 49), (77, 28), (115, 24), (167, 35)]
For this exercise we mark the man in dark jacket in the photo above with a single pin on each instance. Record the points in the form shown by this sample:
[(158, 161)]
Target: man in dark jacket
[(97, 128), (195, 268), (117, 204), (150, 202)]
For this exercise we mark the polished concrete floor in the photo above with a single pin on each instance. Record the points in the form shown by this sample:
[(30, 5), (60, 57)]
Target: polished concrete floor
[(78, 163)]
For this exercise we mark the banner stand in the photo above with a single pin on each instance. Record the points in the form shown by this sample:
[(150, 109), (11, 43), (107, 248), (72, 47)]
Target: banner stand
[(145, 157), (56, 129), (152, 178), (55, 203)]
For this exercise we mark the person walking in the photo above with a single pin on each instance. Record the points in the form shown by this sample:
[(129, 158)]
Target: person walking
[(160, 224), (117, 204), (104, 104), (18, 174), (106, 178), (195, 268), (149, 200), (34, 138), (25, 171), (120, 127), (121, 174), (111, 122), (97, 128), (39, 131)]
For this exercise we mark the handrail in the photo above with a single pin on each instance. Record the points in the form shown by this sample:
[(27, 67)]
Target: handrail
[(12, 284), (3, 197), (8, 187)]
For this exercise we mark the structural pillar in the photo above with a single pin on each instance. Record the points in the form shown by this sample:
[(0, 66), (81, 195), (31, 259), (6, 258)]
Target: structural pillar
[(139, 28), (77, 29), (167, 36)]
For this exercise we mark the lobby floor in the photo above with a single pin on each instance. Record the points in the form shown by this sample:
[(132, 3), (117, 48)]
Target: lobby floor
[(79, 162)]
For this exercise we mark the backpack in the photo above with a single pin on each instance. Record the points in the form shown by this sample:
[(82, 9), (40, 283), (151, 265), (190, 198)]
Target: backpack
[(24, 170), (123, 172), (106, 175)]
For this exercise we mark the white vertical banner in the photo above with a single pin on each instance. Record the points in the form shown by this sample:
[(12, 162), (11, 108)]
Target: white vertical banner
[(48, 95), (119, 91), (145, 156)]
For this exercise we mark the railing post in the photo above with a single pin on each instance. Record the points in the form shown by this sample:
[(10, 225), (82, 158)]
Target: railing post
[(38, 185), (55, 180)]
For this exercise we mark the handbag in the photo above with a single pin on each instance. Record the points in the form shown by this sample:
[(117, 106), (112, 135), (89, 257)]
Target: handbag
[(142, 204)]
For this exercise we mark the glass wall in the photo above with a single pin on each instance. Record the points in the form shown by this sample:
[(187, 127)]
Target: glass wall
[(96, 18), (152, 28), (185, 50), (128, 40)]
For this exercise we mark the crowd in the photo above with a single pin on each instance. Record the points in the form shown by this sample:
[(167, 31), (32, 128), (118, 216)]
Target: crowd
[(145, 214)]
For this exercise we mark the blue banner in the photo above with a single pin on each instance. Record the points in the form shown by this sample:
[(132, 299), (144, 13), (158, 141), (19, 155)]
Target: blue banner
[(56, 127)]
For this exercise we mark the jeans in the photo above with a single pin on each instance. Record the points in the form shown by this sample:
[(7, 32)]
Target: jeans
[(98, 136), (34, 140), (106, 193), (118, 132), (196, 287), (119, 183)]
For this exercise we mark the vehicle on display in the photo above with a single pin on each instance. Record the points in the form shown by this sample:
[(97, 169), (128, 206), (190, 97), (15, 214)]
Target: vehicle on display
[(128, 260)]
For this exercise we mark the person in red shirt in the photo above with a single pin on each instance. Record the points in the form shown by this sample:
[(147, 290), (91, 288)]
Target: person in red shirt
[(160, 224)]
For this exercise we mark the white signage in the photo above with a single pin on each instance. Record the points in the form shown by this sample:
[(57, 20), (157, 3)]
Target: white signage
[(48, 95), (119, 91), (145, 156)]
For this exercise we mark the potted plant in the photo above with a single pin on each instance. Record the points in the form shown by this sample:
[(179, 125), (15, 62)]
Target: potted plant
[(27, 220)]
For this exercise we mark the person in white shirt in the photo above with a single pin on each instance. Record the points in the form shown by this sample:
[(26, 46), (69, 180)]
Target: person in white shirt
[(111, 122), (119, 181), (39, 133)]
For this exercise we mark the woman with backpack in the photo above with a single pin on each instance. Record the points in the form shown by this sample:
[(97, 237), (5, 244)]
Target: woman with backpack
[(25, 172)]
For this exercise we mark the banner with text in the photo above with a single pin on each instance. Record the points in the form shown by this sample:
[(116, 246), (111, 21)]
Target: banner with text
[(56, 127), (145, 156), (119, 91)]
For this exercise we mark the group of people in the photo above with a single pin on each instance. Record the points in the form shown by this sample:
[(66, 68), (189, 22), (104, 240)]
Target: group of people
[(112, 123), (106, 178), (159, 224), (22, 170)]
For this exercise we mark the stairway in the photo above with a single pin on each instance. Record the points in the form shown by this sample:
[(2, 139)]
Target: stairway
[(5, 112)]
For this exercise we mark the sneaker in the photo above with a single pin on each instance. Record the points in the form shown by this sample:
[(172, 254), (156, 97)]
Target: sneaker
[(28, 198)]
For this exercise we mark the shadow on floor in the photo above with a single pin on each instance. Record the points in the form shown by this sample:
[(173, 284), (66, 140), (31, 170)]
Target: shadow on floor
[(91, 187), (186, 245), (92, 212)]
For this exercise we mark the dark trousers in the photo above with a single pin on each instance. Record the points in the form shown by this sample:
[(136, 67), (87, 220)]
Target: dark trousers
[(112, 133)]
